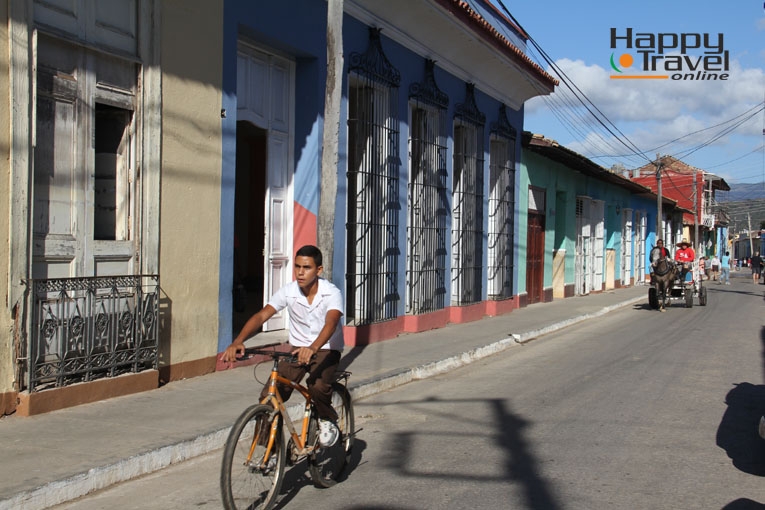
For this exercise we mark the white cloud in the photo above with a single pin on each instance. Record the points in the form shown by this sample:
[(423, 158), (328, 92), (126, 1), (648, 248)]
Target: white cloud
[(646, 100), (650, 112)]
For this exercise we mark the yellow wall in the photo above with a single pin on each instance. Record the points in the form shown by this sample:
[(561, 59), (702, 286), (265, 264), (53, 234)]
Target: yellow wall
[(191, 49), (610, 269), (559, 274)]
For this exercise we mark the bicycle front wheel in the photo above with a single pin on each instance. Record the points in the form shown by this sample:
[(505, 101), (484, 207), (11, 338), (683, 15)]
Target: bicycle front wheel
[(326, 463), (247, 480)]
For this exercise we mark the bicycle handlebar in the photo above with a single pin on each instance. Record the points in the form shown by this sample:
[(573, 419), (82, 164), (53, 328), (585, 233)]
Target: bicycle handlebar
[(251, 351), (272, 353)]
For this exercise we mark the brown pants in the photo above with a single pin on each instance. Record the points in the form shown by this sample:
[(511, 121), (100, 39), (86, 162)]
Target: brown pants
[(321, 373)]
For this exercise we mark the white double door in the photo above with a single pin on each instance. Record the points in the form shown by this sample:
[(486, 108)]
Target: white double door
[(265, 98)]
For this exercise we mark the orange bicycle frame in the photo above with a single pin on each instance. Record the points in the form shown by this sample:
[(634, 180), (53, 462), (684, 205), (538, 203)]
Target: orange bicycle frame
[(275, 400)]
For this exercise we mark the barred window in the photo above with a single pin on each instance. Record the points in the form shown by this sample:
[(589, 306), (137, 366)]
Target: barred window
[(467, 201), (428, 209), (373, 201), (467, 214), (501, 217), (427, 205)]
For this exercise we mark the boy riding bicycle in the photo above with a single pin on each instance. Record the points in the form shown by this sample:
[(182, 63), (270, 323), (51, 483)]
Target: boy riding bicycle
[(315, 308)]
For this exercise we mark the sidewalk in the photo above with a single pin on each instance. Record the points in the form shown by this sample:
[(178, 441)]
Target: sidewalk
[(59, 456)]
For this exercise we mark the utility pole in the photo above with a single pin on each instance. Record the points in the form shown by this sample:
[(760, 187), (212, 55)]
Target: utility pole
[(330, 149), (659, 230), (696, 205), (749, 234)]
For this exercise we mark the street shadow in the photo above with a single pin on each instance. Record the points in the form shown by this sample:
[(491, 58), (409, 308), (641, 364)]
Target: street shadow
[(164, 346), (743, 504), (297, 477), (520, 465), (350, 356), (737, 433), (670, 304), (737, 290)]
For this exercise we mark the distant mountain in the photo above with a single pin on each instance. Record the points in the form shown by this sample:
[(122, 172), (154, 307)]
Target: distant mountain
[(744, 205), (741, 192)]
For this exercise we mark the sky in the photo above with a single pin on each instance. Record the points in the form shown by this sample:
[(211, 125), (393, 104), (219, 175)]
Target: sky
[(717, 126)]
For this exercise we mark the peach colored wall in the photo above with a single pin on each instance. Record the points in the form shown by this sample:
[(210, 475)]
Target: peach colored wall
[(191, 48)]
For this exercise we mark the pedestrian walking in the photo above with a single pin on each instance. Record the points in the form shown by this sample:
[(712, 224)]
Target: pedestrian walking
[(725, 267), (715, 268), (756, 264)]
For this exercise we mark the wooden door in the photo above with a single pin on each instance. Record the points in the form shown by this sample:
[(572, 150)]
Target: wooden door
[(85, 183), (535, 262)]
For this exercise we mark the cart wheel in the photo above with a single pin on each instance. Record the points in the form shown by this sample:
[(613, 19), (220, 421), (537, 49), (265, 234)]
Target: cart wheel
[(703, 296), (688, 298), (653, 298)]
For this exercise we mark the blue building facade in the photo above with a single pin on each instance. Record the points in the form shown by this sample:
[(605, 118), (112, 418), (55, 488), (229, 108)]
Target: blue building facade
[(424, 213)]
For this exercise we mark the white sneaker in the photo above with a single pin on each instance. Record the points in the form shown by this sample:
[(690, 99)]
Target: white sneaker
[(328, 433), (271, 464)]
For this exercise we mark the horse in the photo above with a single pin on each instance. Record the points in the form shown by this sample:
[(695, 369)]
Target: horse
[(665, 271)]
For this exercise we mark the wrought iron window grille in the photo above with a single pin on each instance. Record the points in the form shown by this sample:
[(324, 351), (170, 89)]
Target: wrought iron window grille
[(468, 111), (427, 206), (501, 208), (428, 92), (90, 328), (467, 202), (373, 63), (372, 179), (502, 127)]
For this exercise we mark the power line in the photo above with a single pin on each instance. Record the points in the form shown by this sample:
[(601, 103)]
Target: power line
[(565, 109), (580, 96), (760, 106)]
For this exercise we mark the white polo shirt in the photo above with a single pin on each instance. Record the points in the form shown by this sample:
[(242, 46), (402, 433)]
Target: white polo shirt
[(307, 320)]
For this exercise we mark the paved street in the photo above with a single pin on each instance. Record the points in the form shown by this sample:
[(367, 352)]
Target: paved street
[(638, 409)]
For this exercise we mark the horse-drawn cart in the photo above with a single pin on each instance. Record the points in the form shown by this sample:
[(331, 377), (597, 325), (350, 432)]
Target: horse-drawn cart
[(668, 284)]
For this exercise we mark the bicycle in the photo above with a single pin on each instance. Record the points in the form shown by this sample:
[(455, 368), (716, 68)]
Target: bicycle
[(255, 454)]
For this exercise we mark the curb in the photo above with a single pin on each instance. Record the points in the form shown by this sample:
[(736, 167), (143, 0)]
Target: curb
[(62, 491)]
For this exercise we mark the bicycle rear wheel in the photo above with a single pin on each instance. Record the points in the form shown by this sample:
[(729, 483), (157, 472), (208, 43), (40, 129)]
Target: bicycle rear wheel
[(252, 484), (326, 463)]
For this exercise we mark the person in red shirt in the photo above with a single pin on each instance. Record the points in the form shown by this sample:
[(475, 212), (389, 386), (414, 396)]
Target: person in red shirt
[(685, 256)]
